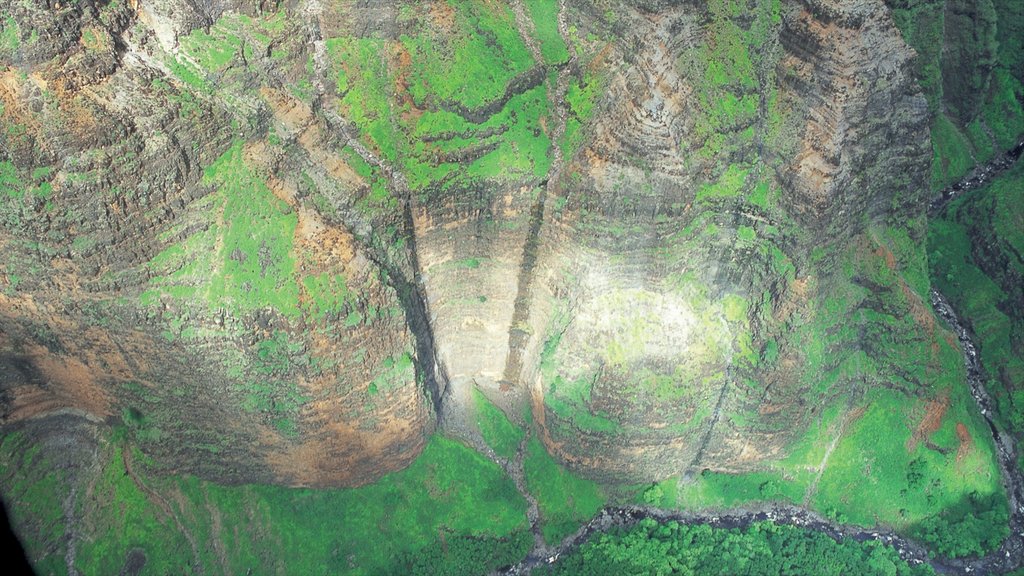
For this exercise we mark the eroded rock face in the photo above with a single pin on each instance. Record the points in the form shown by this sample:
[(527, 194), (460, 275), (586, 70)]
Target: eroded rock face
[(660, 285), (846, 70), (243, 334), (276, 242)]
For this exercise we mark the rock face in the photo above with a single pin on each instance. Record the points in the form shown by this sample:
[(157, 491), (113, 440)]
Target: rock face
[(848, 73), (281, 242), (665, 248), (244, 334)]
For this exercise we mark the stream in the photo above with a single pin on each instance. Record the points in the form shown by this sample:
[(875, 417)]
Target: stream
[(1010, 554), (976, 178)]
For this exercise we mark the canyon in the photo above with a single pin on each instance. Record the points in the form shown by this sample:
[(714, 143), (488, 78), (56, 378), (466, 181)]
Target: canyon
[(275, 250)]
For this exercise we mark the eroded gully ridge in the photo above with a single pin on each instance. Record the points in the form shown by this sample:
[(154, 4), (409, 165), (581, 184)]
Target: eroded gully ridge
[(517, 338), (408, 290)]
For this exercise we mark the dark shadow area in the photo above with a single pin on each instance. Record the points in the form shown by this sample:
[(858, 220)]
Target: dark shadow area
[(15, 561), (970, 528)]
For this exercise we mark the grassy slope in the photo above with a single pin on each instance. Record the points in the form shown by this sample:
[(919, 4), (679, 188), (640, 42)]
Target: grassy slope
[(498, 431), (565, 500), (544, 14), (993, 216), (247, 245), (449, 499)]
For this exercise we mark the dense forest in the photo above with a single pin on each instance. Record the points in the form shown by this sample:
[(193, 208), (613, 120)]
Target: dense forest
[(761, 549)]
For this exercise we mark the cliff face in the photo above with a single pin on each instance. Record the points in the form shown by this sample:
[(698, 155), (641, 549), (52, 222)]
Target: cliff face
[(679, 242), (969, 65), (170, 271), (282, 241)]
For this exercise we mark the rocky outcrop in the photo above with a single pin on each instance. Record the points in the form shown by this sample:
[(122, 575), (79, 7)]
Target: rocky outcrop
[(847, 71)]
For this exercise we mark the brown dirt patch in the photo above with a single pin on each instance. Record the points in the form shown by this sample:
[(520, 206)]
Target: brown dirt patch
[(401, 64), (284, 190), (795, 297), (68, 384), (922, 313), (966, 442), (598, 61), (298, 118), (80, 118), (442, 16), (13, 104), (855, 414), (887, 255), (930, 422), (290, 111), (333, 247), (334, 453)]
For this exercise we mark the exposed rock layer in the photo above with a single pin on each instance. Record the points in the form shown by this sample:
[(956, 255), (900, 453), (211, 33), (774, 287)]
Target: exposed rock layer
[(277, 246)]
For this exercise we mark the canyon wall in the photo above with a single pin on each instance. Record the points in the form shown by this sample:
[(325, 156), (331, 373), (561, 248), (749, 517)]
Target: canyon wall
[(283, 242)]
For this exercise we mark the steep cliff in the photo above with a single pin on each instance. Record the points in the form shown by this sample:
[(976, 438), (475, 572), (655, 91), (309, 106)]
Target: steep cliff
[(969, 64), (170, 269), (284, 242), (682, 235)]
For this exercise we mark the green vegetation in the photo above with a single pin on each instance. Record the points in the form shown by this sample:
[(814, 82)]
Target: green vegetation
[(465, 556), (878, 471), (33, 489), (329, 296), (431, 103), (241, 260), (508, 145), (975, 91), (445, 129), (450, 512), (364, 83), (392, 373), (913, 406), (986, 291), (725, 73), (729, 184), (972, 527), (544, 14), (874, 346), (483, 46), (498, 431), (581, 96), (133, 519), (570, 400), (232, 38), (760, 549), (214, 50), (10, 37), (952, 151), (269, 386), (565, 500), (36, 186), (712, 489)]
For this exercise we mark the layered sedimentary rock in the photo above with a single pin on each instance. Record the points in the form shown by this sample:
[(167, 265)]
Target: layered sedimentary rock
[(280, 242), (665, 267), (168, 271)]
